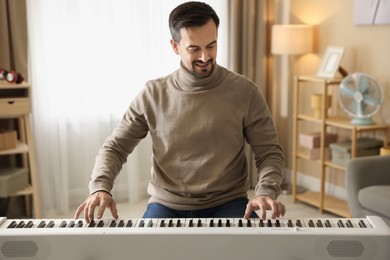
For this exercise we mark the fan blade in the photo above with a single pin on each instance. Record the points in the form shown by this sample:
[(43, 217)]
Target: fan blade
[(345, 89), (370, 100), (363, 84)]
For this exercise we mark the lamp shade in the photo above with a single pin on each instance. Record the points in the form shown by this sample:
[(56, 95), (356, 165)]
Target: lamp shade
[(292, 39)]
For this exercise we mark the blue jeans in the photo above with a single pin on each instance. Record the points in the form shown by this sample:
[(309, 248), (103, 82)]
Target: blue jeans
[(232, 209)]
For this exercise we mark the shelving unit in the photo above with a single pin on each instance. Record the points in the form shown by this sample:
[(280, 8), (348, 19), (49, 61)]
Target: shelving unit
[(320, 199), (15, 106)]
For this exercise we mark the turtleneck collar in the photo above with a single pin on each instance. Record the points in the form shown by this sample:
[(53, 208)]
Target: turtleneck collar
[(188, 82)]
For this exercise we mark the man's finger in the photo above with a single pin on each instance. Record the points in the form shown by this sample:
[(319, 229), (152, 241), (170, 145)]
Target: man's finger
[(90, 211), (263, 210), (274, 209), (114, 210), (103, 205), (79, 210), (248, 210)]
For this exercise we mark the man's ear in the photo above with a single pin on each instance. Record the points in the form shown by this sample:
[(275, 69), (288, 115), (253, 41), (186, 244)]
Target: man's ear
[(175, 46)]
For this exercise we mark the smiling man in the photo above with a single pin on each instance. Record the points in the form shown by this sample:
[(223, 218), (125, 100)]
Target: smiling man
[(199, 118)]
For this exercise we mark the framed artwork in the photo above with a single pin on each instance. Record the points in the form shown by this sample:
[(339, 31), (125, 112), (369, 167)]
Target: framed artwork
[(330, 62), (371, 12)]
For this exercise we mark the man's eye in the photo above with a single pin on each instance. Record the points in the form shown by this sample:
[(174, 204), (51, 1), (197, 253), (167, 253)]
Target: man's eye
[(192, 50)]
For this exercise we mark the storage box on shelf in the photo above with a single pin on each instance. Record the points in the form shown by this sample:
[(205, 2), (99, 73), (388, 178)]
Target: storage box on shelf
[(310, 145), (15, 106), (12, 180), (341, 151), (7, 139), (304, 145)]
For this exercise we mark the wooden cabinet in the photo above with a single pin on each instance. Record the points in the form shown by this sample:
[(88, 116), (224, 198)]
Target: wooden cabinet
[(323, 123), (15, 110)]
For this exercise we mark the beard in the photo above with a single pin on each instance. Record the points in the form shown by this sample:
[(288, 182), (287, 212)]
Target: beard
[(201, 69)]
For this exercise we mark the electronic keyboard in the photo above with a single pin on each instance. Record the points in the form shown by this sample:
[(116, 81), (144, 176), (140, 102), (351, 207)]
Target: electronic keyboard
[(191, 238)]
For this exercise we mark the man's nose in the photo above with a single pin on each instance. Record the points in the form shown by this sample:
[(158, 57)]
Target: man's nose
[(204, 56)]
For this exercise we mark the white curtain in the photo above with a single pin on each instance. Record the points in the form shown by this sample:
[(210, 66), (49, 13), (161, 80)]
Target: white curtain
[(87, 60)]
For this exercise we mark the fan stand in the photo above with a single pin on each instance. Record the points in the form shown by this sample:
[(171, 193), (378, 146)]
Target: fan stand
[(362, 121)]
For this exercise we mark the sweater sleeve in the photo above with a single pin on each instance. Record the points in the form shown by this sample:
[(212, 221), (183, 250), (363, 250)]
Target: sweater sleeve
[(116, 148), (261, 135)]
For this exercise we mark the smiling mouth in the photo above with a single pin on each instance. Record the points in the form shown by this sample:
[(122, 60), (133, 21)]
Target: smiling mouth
[(202, 64)]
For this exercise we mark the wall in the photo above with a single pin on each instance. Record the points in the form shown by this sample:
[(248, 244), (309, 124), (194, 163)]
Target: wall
[(367, 50)]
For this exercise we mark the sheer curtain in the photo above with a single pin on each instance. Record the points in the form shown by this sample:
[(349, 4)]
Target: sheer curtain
[(87, 60)]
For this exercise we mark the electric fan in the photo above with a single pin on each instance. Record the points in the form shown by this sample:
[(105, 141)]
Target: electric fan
[(360, 96)]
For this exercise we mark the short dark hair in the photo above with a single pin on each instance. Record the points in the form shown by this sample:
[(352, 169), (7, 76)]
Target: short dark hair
[(190, 14)]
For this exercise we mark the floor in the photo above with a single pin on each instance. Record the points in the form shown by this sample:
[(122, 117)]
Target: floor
[(293, 210)]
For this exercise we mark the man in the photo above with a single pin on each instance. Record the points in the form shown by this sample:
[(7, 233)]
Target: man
[(199, 118)]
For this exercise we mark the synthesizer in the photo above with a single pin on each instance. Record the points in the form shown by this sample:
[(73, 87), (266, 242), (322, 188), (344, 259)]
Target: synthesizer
[(214, 238)]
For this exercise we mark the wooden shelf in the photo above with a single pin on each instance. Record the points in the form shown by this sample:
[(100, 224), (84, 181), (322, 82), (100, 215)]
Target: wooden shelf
[(26, 191), (314, 79), (331, 204), (345, 123), (320, 199), (20, 148), (334, 165), (15, 105)]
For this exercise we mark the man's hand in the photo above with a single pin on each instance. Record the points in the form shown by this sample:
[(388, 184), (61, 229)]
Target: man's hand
[(99, 199), (263, 203)]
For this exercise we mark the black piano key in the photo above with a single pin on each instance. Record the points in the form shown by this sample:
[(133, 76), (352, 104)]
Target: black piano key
[(12, 224), (269, 223), (219, 223), (227, 223), (349, 224), (142, 223), (42, 224), (277, 223), (178, 224), (29, 224), (319, 223), (311, 223), (362, 224), (261, 223), (63, 224), (20, 225), (248, 223), (199, 223), (328, 224), (298, 223), (170, 224), (113, 223), (289, 223), (240, 223), (340, 224), (129, 223), (211, 223), (150, 223), (50, 224), (121, 223), (191, 224), (92, 223), (79, 224), (101, 223), (162, 223), (71, 223)]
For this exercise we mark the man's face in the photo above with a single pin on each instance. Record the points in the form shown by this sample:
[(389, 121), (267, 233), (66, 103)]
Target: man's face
[(198, 49)]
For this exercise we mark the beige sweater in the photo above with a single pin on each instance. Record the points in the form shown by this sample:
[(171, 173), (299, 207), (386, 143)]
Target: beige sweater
[(198, 128)]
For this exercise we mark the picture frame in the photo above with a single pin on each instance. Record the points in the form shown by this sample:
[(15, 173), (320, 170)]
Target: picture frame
[(373, 12), (330, 62)]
